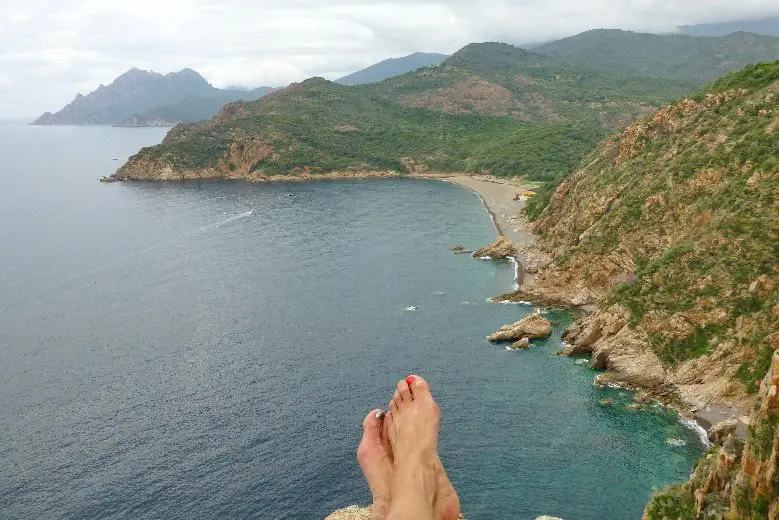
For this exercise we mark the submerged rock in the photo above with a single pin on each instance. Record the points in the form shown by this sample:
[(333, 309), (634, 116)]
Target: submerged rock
[(460, 250), (501, 248), (531, 326)]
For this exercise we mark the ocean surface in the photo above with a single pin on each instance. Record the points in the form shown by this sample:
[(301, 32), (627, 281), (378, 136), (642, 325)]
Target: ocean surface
[(208, 350)]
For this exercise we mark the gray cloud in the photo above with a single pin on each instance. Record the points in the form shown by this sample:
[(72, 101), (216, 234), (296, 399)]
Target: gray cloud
[(50, 50)]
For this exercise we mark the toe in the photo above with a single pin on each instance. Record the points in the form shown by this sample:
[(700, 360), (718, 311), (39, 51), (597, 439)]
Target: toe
[(371, 435), (386, 428), (418, 386), (396, 401), (404, 391)]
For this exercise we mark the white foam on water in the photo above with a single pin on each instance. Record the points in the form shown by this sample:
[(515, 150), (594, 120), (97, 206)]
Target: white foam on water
[(675, 442), (411, 308), (234, 217), (516, 271), (697, 428)]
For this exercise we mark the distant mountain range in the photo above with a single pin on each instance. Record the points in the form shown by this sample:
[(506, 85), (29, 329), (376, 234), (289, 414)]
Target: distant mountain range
[(144, 98), (392, 67), (765, 26)]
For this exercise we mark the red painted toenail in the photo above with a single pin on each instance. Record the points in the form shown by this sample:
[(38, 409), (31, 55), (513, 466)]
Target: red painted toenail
[(409, 380)]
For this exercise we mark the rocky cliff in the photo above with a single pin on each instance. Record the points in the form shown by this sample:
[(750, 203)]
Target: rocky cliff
[(669, 232), (734, 480)]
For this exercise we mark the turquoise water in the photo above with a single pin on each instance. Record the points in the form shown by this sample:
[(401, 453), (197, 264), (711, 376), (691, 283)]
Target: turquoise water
[(209, 350)]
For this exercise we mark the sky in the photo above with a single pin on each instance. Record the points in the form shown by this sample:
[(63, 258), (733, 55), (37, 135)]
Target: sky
[(52, 49)]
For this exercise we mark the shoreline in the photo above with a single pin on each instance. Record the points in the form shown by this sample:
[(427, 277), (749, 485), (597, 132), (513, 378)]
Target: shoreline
[(497, 197)]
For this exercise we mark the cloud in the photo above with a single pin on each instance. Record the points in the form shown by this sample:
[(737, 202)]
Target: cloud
[(50, 50)]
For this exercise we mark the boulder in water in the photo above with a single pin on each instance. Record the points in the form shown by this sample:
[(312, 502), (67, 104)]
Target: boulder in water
[(501, 248), (531, 326)]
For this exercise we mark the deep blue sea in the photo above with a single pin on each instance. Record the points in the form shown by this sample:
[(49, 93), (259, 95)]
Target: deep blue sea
[(208, 350)]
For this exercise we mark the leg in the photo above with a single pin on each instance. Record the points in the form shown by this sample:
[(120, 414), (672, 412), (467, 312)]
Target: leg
[(447, 503), (414, 440)]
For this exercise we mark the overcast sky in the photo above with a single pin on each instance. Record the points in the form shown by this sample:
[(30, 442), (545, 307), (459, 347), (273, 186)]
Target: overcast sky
[(52, 49)]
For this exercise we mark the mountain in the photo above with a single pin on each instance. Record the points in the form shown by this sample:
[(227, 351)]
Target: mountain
[(488, 108), (192, 109), (676, 56), (137, 91), (671, 230), (765, 26), (391, 68)]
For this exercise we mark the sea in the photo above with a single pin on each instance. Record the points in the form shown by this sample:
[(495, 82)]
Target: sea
[(208, 350)]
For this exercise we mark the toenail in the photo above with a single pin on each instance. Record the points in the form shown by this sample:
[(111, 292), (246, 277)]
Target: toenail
[(409, 380), (379, 415)]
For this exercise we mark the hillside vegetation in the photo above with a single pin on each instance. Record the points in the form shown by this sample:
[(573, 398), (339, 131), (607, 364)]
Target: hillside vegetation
[(672, 230), (678, 56), (489, 108)]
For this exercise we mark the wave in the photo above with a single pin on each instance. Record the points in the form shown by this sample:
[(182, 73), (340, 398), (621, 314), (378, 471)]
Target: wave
[(697, 428), (230, 219)]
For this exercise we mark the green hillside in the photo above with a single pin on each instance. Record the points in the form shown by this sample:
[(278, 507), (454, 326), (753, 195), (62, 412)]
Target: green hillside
[(678, 56), (671, 230), (489, 108)]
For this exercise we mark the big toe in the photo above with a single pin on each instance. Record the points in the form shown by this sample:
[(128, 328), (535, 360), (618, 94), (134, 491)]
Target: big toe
[(371, 434)]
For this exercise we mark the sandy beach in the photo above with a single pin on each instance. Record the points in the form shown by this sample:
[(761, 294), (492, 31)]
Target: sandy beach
[(498, 196)]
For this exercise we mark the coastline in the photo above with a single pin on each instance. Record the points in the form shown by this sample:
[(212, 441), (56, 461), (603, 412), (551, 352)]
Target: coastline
[(497, 196)]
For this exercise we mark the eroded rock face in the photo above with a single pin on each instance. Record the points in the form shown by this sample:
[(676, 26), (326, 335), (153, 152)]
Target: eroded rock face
[(737, 480), (501, 248), (720, 431), (531, 326)]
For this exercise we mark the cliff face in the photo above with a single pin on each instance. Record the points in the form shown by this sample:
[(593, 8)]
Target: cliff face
[(670, 232), (734, 480)]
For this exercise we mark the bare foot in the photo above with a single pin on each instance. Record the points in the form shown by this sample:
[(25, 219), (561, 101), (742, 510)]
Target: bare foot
[(376, 463), (414, 439), (447, 503)]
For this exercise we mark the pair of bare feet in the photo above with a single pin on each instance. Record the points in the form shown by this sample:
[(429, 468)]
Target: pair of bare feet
[(398, 455)]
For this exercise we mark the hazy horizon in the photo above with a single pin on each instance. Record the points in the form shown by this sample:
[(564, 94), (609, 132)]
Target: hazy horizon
[(271, 43)]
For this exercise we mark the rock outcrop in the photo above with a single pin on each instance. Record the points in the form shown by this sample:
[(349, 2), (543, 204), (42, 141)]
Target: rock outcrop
[(530, 327), (351, 513), (734, 480), (501, 248), (364, 513), (521, 344), (720, 431)]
